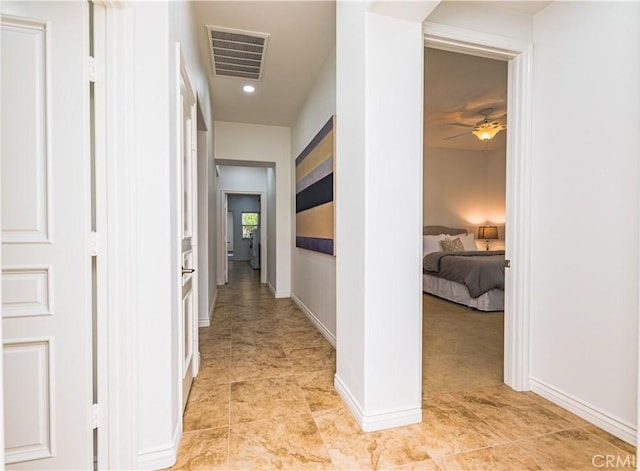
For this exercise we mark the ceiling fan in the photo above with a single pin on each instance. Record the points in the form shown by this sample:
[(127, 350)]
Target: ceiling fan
[(484, 130)]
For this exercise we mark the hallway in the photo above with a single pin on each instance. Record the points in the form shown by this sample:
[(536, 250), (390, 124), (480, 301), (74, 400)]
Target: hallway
[(264, 399)]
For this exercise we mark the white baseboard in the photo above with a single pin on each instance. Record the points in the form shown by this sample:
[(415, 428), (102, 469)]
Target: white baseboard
[(161, 457), (381, 420), (278, 294), (312, 317), (207, 322), (613, 425)]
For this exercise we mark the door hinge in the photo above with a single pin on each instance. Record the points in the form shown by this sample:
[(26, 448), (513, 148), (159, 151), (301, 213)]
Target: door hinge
[(507, 263), (94, 244), (96, 415), (95, 70)]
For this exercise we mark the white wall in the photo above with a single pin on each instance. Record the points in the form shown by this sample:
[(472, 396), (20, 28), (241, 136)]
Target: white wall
[(496, 186), (271, 145), (240, 178), (464, 188), (378, 291), (157, 26), (484, 18), (455, 188), (203, 229), (584, 318), (313, 276), (271, 228), (156, 391), (213, 195)]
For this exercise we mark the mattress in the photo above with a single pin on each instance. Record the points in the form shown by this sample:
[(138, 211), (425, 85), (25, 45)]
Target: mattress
[(492, 300)]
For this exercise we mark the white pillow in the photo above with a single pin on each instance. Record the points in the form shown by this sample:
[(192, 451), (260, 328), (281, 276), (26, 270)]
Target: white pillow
[(468, 242), (431, 243)]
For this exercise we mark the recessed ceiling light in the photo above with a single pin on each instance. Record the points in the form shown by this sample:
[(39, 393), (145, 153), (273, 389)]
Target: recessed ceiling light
[(249, 88)]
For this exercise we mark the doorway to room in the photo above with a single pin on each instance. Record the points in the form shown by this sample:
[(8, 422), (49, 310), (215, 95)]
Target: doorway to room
[(246, 218), (517, 56), (463, 197), (243, 229)]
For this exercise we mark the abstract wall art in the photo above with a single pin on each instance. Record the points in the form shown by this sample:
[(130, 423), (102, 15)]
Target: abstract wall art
[(315, 226)]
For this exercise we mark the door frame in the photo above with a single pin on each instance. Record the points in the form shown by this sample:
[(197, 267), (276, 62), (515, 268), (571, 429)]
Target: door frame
[(117, 203), (519, 57), (222, 218), (182, 77)]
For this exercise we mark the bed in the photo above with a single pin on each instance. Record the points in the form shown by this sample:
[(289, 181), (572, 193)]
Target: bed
[(474, 278)]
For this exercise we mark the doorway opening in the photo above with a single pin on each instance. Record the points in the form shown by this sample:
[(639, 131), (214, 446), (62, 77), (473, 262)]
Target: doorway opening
[(246, 216), (243, 229), (464, 173), (517, 209)]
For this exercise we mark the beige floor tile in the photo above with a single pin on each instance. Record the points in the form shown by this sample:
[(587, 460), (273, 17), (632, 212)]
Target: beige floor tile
[(293, 321), (219, 329), (319, 390), (204, 450), (507, 457), (259, 339), (469, 416), (428, 465), (207, 407), (301, 338), (320, 357), (215, 371), (351, 449), (447, 428), (512, 414), (266, 399), (253, 362), (250, 314), (214, 346), (606, 436), (573, 450), (264, 326), (287, 443)]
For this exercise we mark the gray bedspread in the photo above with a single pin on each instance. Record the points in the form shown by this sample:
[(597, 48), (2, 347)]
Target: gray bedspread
[(480, 271)]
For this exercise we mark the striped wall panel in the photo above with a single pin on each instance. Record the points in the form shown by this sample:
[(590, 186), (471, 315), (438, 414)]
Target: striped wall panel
[(315, 192)]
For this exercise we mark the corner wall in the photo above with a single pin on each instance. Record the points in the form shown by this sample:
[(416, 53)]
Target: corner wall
[(313, 275), (378, 280), (157, 26), (584, 316)]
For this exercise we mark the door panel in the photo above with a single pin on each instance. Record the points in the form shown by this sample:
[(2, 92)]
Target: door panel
[(46, 271), (229, 231), (188, 229)]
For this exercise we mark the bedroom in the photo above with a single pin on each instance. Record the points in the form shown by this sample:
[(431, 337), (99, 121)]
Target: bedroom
[(463, 193)]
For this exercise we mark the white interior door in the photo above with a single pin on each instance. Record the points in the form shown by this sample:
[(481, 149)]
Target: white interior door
[(46, 224), (189, 283), (229, 231)]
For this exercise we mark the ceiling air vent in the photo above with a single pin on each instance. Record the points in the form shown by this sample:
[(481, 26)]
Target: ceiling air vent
[(237, 53)]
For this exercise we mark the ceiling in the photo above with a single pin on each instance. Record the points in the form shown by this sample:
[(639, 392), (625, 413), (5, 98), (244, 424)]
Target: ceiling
[(302, 36), (524, 7), (457, 87)]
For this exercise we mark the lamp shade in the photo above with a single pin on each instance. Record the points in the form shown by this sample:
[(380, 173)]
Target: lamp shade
[(488, 232)]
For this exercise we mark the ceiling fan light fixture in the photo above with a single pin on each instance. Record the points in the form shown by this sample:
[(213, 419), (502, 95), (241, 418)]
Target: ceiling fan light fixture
[(487, 131)]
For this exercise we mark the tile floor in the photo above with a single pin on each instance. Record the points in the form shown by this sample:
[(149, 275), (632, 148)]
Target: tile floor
[(264, 399)]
